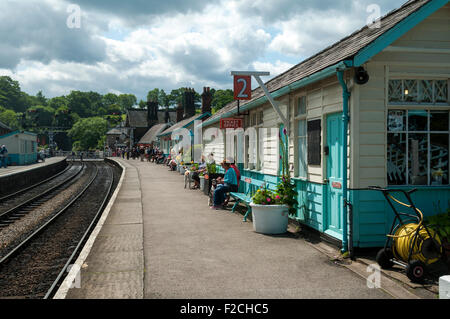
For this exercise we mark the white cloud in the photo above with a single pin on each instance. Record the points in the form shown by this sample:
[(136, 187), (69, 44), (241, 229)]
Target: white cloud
[(166, 46)]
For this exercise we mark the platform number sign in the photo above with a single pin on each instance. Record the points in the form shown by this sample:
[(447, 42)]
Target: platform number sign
[(242, 87)]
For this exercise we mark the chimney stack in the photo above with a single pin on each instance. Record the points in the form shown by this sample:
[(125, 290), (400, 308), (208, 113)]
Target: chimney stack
[(167, 116), (152, 113), (206, 100), (180, 112), (188, 103)]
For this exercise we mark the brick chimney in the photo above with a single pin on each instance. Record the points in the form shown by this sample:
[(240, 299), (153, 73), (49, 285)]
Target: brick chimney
[(180, 112), (188, 103), (167, 115), (206, 100), (152, 113)]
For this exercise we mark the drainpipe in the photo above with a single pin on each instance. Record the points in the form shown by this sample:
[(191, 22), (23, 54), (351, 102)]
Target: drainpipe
[(345, 118)]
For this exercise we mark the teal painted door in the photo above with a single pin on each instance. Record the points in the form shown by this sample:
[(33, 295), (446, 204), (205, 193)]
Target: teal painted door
[(333, 216)]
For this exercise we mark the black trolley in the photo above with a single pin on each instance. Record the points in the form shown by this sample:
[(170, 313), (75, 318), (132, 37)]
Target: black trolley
[(410, 243)]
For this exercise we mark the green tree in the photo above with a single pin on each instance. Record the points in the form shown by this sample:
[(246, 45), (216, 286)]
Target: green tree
[(126, 101), (41, 116), (58, 102), (176, 96), (142, 104), (9, 117), (88, 132), (153, 95), (221, 98), (11, 97), (79, 103), (110, 98), (63, 117), (41, 99)]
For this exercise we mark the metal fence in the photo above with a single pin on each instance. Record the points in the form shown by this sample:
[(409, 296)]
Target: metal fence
[(85, 155)]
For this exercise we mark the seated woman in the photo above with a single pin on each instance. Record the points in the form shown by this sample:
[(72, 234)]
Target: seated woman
[(228, 184)]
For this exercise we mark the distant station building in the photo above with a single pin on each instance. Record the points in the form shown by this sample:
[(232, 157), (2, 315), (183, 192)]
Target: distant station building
[(140, 121), (22, 147), (117, 137)]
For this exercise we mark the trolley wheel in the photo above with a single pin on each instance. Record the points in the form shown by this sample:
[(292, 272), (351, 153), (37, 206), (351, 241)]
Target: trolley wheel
[(384, 257), (416, 271)]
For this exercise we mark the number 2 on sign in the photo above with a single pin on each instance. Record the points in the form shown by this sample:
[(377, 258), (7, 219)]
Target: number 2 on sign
[(242, 87)]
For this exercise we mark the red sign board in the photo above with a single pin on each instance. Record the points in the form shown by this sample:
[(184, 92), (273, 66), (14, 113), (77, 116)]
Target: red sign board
[(230, 123), (336, 185), (242, 87)]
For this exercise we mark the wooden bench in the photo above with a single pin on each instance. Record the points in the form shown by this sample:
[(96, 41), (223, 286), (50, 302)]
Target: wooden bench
[(246, 197)]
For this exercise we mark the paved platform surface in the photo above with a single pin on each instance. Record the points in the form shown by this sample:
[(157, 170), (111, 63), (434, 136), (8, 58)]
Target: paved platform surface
[(163, 241), (17, 169)]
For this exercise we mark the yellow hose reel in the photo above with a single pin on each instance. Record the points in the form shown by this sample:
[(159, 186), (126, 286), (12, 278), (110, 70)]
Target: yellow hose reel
[(412, 245)]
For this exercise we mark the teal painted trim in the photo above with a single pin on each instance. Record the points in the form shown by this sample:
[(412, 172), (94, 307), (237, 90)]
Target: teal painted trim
[(397, 31), (373, 216), (18, 132), (345, 118), (320, 75)]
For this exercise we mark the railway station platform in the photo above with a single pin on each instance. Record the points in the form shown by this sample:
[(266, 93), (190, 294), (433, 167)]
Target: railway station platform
[(10, 170), (158, 240)]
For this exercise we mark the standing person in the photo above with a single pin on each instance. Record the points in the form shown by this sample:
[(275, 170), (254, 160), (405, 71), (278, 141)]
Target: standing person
[(127, 150), (228, 184), (141, 153), (81, 156), (3, 157)]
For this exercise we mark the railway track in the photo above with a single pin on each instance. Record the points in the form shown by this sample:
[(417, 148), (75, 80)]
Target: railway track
[(35, 267), (8, 197), (16, 206)]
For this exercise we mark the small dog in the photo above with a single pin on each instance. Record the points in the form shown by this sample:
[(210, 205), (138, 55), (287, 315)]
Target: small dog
[(211, 192), (187, 179)]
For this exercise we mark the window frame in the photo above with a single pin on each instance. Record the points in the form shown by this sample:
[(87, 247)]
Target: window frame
[(428, 132), (417, 102)]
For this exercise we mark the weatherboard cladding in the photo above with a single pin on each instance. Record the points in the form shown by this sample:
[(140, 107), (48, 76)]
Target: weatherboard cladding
[(340, 51)]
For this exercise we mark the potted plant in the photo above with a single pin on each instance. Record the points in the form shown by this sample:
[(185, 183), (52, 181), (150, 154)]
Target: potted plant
[(270, 209), (269, 214)]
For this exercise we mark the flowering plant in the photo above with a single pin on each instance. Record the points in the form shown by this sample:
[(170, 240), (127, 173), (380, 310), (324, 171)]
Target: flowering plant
[(285, 193), (265, 196)]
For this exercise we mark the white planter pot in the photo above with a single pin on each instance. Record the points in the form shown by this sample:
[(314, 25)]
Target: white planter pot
[(202, 182), (270, 219), (182, 170)]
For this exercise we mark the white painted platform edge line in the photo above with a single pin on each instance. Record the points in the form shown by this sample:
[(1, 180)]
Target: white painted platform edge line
[(67, 283)]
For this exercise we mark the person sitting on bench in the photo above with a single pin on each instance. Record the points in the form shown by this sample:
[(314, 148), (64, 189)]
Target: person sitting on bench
[(225, 185)]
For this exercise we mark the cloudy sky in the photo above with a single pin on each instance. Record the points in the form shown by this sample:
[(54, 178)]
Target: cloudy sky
[(136, 45)]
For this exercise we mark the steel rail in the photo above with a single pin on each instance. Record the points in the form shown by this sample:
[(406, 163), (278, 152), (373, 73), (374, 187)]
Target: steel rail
[(9, 196), (39, 196), (51, 290), (40, 229)]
